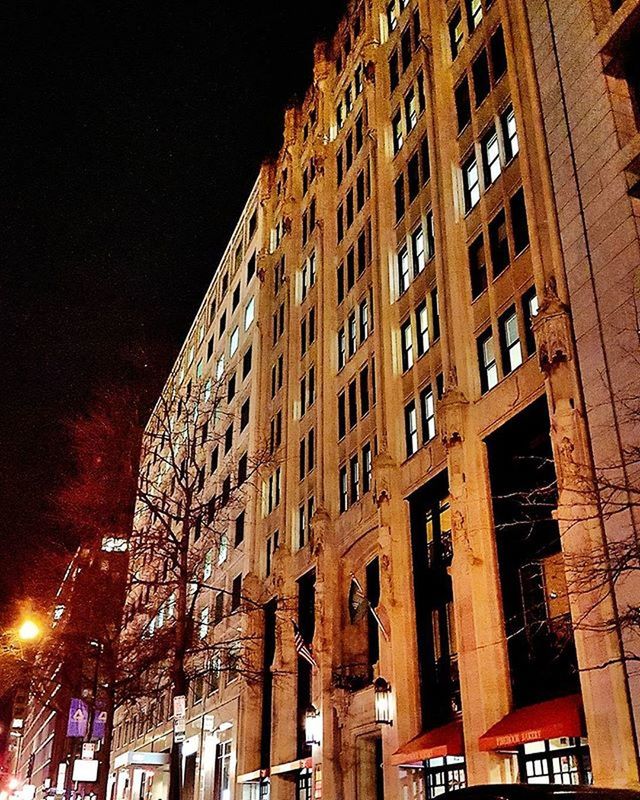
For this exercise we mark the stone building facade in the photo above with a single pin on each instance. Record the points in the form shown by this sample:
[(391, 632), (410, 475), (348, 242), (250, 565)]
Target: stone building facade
[(444, 264)]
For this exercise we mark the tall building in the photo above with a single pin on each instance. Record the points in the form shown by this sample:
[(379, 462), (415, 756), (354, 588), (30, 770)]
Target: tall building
[(442, 263)]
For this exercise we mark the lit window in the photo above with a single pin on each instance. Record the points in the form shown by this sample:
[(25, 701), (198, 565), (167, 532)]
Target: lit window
[(422, 322), (428, 415), (411, 428), (344, 493), (471, 178), (392, 19), (509, 133), (406, 336), (398, 139), (474, 13), (364, 321), (456, 33), (491, 157), (234, 341), (403, 270), (204, 622), (488, 365), (208, 565), (223, 549), (249, 313), (512, 350), (410, 110), (220, 368), (419, 261)]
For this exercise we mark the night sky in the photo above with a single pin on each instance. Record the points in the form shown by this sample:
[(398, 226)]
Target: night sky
[(133, 133)]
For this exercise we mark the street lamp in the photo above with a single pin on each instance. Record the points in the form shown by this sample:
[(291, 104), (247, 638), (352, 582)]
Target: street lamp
[(382, 700), (29, 631)]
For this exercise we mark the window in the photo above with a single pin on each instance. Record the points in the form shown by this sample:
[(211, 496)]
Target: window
[(210, 348), (223, 549), (360, 194), (426, 162), (231, 388), (367, 468), (499, 243), (234, 341), (340, 223), (354, 478), (359, 125), (214, 459), (253, 224), (456, 33), (311, 450), (246, 363), (364, 321), (394, 70), (228, 438), (349, 208), (249, 313), (340, 115), (530, 310), (498, 54), (411, 428), (510, 341), (339, 167), (474, 13), (392, 19), (519, 221), (405, 47), (342, 416), (204, 622), (417, 246), (251, 267), (491, 157), (340, 282), (399, 195), (410, 110), (312, 385), (236, 297), (244, 414), (364, 391), (351, 269), (223, 323), (272, 546), (422, 326), (471, 183), (481, 82), (413, 175), (396, 124), (353, 407), (463, 104), (349, 150), (342, 348), (406, 342), (218, 608), (477, 267), (403, 270), (242, 469), (302, 458), (236, 592), (303, 336), (509, 133), (431, 239), (344, 489), (487, 358), (427, 407), (239, 533), (353, 336)]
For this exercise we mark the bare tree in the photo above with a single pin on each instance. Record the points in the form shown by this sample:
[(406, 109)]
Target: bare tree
[(192, 491)]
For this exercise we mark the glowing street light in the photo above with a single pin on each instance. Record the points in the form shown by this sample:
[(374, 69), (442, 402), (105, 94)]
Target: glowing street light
[(29, 631)]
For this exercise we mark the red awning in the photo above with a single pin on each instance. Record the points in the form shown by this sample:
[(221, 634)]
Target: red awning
[(549, 720), (444, 741)]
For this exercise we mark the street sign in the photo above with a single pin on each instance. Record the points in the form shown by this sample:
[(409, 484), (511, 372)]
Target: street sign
[(208, 723), (86, 771), (88, 750), (179, 707), (78, 718)]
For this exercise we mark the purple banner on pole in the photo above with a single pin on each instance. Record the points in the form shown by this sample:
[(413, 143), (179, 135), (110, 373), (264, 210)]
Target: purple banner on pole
[(99, 727), (78, 718)]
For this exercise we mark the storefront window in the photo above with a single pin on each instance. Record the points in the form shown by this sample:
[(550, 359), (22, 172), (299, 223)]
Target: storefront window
[(564, 760)]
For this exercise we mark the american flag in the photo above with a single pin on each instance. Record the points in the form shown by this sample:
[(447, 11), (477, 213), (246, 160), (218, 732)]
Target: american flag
[(302, 648), (359, 600)]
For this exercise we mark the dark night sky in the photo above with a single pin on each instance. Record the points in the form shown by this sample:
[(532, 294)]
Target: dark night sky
[(133, 133)]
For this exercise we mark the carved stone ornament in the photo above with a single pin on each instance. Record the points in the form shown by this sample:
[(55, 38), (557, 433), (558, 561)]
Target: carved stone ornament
[(286, 224), (370, 72), (318, 163), (552, 329), (453, 411), (384, 470)]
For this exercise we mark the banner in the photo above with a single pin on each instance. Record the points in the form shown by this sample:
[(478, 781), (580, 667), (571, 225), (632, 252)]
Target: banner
[(78, 718), (99, 727)]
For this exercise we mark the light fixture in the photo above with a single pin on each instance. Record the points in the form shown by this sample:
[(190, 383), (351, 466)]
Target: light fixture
[(29, 631), (382, 699), (312, 726), (224, 726)]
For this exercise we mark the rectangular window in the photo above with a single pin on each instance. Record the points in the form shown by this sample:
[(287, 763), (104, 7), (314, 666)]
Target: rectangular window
[(344, 489), (394, 70), (498, 54), (353, 405), (364, 321), (477, 267), (351, 269), (456, 33), (364, 391), (519, 221), (353, 333), (311, 450), (399, 195), (354, 478), (302, 460), (410, 110), (405, 47), (367, 468), (411, 428), (360, 197), (236, 592), (339, 168), (428, 411), (509, 133), (228, 438), (431, 238), (398, 138), (239, 534), (481, 82), (302, 526), (474, 13), (359, 124), (499, 243), (435, 315), (422, 327), (471, 183), (426, 162), (244, 414), (312, 386), (349, 208), (246, 363), (413, 175), (403, 271), (487, 359), (510, 341), (392, 19), (417, 246), (491, 156), (463, 104), (340, 223), (342, 348), (340, 282), (406, 341), (342, 415), (530, 311)]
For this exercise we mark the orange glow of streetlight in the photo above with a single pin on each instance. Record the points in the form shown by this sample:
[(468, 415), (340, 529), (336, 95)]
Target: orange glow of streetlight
[(29, 631)]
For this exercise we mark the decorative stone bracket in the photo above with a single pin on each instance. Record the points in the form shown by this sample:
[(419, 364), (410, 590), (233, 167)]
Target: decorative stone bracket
[(552, 329)]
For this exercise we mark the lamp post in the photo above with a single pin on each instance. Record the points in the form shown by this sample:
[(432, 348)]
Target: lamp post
[(312, 726)]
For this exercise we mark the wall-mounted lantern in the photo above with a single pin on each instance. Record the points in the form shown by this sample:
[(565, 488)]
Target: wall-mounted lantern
[(382, 698), (312, 726)]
